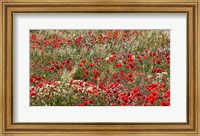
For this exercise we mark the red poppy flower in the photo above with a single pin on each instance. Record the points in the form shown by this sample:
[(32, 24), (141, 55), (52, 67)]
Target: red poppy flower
[(167, 93), (164, 104), (32, 94), (147, 98), (158, 61), (151, 101), (55, 46), (81, 64), (154, 95), (69, 42), (96, 94), (118, 79), (86, 102), (91, 65), (84, 75), (91, 101), (118, 65), (58, 73), (83, 61), (38, 78), (32, 80), (40, 85), (127, 66)]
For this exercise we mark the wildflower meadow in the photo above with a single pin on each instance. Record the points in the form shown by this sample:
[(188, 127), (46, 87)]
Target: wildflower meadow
[(99, 67)]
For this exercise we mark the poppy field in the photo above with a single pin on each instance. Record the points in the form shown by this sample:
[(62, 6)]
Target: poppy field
[(99, 68)]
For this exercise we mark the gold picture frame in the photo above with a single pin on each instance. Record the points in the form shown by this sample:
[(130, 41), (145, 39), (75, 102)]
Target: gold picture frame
[(10, 7)]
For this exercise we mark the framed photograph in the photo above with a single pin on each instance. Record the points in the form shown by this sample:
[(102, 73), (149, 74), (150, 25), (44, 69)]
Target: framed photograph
[(99, 67)]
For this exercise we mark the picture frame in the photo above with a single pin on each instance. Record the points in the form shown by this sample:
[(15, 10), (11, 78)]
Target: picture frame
[(10, 7)]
